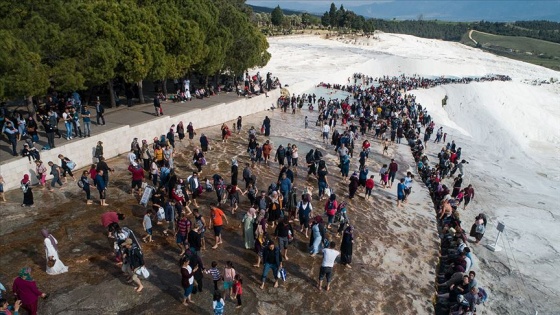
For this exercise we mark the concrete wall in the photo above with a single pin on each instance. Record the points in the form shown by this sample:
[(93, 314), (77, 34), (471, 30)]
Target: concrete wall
[(117, 141)]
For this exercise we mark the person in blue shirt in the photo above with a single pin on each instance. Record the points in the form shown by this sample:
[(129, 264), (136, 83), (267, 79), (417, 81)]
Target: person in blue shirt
[(86, 117), (400, 193), (285, 186), (101, 187), (12, 134)]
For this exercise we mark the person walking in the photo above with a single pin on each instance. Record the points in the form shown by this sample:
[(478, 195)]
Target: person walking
[(329, 256), (25, 289), (346, 246), (218, 303), (27, 191), (217, 218), (266, 126), (133, 259), (41, 171), (84, 183), (272, 260), (100, 112), (248, 232), (284, 233), (238, 289), (393, 168), (51, 252), (229, 276), (55, 172)]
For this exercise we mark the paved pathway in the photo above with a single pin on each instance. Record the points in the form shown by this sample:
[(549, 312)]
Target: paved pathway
[(117, 117)]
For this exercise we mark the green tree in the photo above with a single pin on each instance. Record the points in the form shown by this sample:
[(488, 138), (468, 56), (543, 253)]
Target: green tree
[(333, 16), (277, 16)]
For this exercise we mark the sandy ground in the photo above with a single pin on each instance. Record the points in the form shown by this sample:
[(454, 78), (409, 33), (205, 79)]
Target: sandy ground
[(395, 250)]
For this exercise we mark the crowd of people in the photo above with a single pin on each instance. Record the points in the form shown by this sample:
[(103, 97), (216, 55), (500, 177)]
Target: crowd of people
[(380, 104), (278, 213)]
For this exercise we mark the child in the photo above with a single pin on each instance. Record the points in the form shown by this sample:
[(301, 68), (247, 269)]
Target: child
[(385, 146), (216, 276), (147, 223), (218, 303), (306, 122), (385, 179), (93, 172), (229, 275), (237, 289), (370, 183)]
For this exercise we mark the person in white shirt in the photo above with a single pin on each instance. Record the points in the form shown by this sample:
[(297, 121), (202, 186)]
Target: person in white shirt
[(326, 131), (329, 256)]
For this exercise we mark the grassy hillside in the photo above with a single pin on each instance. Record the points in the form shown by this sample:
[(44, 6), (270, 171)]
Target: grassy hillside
[(258, 9), (535, 51)]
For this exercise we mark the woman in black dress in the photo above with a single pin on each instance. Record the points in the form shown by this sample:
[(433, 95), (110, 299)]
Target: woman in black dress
[(27, 192), (346, 247)]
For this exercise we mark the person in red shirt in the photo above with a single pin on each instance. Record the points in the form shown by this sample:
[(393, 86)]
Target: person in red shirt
[(217, 217), (369, 186), (109, 219), (137, 177), (393, 168), (237, 289), (93, 172)]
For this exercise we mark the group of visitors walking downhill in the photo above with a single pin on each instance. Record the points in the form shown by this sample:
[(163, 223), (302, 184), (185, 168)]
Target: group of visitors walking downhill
[(378, 115)]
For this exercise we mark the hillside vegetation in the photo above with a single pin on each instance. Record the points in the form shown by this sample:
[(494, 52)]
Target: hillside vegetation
[(535, 51)]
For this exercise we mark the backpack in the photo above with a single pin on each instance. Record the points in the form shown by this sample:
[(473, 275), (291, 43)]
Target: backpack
[(309, 157), (219, 309), (81, 184), (24, 188)]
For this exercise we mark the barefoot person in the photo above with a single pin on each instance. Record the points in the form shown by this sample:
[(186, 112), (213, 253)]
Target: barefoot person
[(329, 256), (101, 187), (187, 280), (217, 220), (133, 259), (272, 259)]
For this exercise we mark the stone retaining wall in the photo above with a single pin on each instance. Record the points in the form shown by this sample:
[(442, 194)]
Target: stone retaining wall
[(117, 141)]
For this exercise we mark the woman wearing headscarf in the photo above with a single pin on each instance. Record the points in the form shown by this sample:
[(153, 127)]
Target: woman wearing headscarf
[(198, 159), (274, 208), (181, 131), (317, 235), (25, 289), (27, 191), (353, 185), (203, 143), (51, 251), (248, 231), (190, 131), (346, 246), (234, 171)]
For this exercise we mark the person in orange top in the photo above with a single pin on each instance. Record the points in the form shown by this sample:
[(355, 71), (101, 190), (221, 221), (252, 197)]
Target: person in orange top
[(158, 155), (216, 221), (267, 148)]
